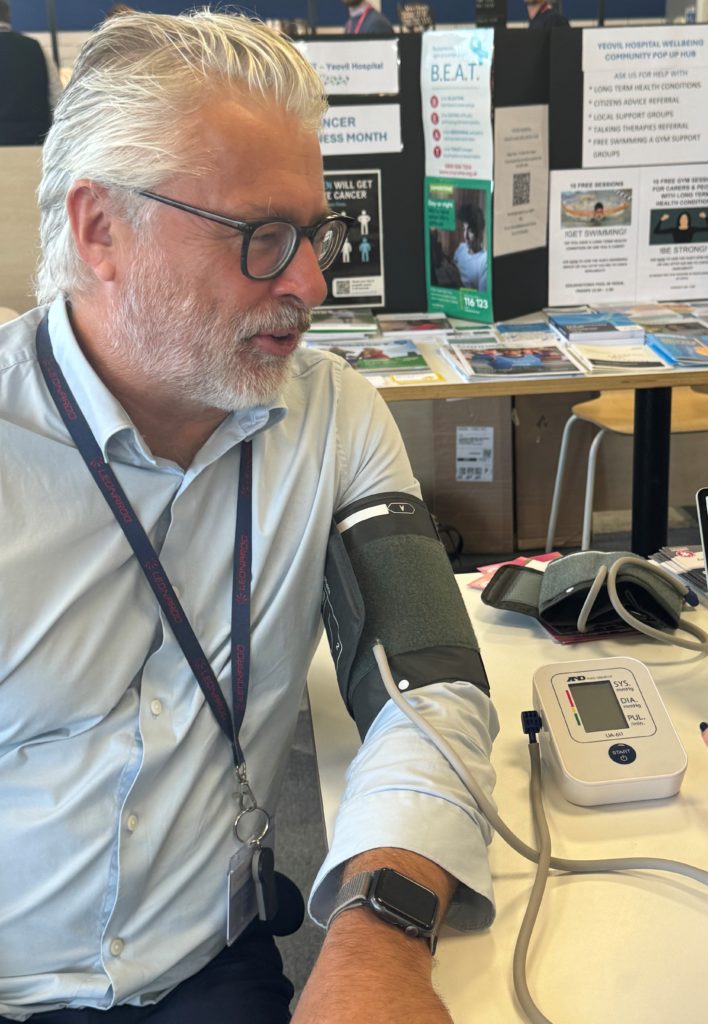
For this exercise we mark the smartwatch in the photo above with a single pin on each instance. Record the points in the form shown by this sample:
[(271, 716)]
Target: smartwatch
[(394, 898)]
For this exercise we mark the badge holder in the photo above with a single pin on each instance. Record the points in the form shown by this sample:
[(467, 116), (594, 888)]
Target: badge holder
[(255, 888)]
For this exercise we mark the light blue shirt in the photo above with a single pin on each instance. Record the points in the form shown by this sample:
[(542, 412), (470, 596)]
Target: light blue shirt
[(472, 267), (116, 786)]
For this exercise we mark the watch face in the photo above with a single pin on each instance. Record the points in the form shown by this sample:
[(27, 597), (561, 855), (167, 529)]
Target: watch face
[(403, 896)]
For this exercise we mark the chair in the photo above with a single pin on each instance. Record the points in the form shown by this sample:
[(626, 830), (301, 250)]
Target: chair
[(613, 411)]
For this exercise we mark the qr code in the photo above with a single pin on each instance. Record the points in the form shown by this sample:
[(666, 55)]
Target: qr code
[(522, 189), (341, 287)]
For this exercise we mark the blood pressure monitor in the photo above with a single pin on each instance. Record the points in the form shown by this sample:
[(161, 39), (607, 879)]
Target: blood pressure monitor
[(606, 732)]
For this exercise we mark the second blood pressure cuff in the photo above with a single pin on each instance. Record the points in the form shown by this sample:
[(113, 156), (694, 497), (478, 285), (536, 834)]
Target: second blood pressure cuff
[(388, 578)]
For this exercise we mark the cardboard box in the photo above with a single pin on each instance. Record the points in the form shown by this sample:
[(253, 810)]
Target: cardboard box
[(461, 453)]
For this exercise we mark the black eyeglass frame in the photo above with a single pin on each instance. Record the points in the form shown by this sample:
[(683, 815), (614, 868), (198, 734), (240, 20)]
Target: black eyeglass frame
[(249, 228)]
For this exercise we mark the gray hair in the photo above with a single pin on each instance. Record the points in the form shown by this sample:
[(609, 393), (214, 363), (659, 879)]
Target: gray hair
[(124, 119)]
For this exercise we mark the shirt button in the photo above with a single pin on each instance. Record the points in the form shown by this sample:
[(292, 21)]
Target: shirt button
[(116, 947), (132, 822), (156, 707)]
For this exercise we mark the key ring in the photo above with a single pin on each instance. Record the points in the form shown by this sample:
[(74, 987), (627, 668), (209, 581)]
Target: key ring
[(257, 834)]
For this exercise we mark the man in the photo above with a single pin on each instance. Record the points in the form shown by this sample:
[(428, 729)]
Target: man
[(542, 15), (184, 235), (29, 86), (365, 20)]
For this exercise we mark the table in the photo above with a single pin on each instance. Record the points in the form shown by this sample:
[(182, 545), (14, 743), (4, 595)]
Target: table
[(607, 947), (652, 429)]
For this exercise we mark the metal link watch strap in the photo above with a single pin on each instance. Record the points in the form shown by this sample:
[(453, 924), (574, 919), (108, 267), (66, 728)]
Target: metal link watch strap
[(354, 893)]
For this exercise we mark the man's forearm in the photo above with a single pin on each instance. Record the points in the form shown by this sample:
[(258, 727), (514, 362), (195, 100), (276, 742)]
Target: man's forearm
[(371, 971)]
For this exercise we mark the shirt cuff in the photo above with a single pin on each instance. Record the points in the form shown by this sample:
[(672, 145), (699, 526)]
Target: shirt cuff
[(402, 794)]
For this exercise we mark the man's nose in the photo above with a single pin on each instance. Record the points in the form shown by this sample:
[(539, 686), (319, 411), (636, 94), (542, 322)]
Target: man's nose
[(303, 278)]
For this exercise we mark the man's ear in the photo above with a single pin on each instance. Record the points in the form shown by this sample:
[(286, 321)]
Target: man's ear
[(95, 229)]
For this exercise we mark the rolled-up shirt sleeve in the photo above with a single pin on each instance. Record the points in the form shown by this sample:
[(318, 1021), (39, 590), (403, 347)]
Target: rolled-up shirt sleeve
[(402, 793)]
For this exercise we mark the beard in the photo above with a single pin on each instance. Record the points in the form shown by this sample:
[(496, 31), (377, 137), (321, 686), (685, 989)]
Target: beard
[(193, 350)]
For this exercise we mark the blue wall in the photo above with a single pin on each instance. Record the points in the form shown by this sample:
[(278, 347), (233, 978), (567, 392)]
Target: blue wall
[(31, 15)]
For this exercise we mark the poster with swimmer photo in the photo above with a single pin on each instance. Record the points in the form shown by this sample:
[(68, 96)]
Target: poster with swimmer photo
[(592, 236), (597, 208), (356, 278), (458, 261)]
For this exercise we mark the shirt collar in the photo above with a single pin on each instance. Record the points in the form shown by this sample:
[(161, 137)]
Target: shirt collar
[(115, 433)]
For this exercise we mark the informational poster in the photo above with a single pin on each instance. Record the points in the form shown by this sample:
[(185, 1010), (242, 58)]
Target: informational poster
[(457, 258), (457, 103), (361, 129), (520, 178), (357, 276), (360, 67), (634, 234), (592, 228), (673, 261), (645, 95)]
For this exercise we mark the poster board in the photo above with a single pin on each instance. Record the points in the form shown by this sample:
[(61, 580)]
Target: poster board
[(396, 175), (628, 218)]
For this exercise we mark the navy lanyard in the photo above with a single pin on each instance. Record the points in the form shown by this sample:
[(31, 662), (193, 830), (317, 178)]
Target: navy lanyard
[(156, 576)]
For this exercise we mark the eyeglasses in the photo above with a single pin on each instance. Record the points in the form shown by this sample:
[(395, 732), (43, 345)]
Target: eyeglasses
[(270, 245)]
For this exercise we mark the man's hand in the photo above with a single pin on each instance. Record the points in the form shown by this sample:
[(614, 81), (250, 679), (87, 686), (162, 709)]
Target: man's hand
[(370, 972)]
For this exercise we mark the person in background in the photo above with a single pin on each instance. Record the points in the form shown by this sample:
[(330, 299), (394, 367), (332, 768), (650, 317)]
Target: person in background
[(118, 9), (29, 86), (171, 455), (365, 20), (542, 15)]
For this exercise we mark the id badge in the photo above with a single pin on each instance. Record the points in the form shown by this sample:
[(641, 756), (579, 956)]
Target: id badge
[(241, 905), (242, 902)]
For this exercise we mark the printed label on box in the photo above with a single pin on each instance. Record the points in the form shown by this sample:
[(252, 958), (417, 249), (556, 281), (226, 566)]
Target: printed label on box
[(474, 457)]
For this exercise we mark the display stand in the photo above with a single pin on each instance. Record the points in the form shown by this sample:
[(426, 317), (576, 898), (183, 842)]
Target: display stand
[(521, 78), (401, 178)]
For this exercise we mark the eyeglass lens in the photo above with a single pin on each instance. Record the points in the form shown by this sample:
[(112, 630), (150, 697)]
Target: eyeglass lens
[(271, 246)]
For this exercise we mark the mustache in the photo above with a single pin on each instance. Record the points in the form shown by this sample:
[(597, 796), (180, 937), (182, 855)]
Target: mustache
[(281, 319)]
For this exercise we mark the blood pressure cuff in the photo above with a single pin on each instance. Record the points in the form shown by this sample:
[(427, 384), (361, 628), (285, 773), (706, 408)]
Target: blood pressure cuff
[(388, 578), (556, 597)]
